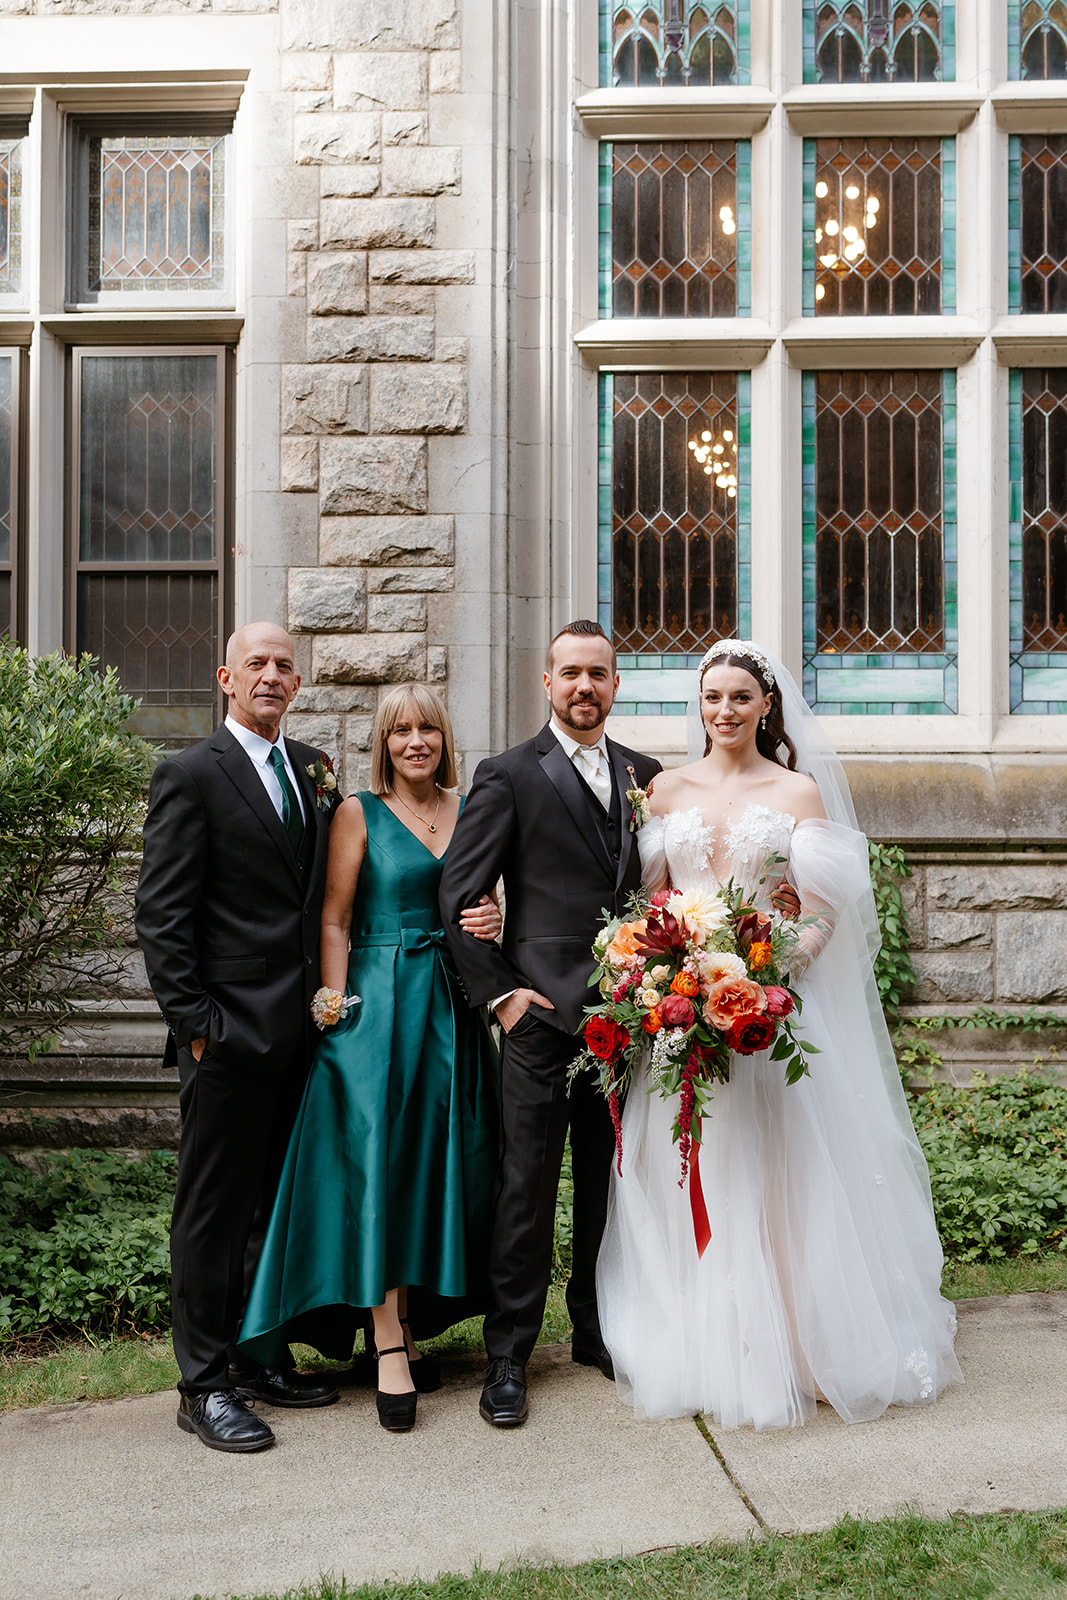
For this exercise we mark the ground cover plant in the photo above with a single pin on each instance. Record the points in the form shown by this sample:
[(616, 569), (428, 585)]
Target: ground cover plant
[(1021, 1556), (84, 1245)]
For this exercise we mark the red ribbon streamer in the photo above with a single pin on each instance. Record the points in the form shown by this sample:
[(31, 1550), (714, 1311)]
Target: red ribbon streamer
[(701, 1225)]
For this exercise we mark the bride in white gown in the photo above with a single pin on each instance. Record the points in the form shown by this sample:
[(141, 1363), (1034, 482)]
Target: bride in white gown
[(822, 1276)]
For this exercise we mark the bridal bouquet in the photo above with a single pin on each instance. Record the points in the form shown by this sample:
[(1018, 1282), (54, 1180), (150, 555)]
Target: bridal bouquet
[(687, 978)]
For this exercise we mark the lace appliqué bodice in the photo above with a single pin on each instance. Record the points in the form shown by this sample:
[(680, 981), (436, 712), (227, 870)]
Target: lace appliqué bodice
[(699, 856)]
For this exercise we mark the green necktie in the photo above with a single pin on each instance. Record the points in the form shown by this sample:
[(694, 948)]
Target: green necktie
[(291, 818)]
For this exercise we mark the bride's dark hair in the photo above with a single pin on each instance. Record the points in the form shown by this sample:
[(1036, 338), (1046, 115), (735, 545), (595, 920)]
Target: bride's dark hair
[(769, 738)]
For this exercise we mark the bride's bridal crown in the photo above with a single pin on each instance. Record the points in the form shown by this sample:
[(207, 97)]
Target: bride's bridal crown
[(739, 647)]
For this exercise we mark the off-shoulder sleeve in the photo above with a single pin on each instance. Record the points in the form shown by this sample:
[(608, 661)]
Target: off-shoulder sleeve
[(828, 863), (651, 844)]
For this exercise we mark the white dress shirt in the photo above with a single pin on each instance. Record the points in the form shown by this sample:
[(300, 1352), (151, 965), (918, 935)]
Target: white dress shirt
[(590, 761), (258, 750)]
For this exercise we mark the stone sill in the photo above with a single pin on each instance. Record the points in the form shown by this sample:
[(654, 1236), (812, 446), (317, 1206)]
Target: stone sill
[(674, 113)]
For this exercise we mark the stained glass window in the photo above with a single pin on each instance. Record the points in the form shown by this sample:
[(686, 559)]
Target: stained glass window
[(1037, 223), (674, 525), (10, 215), (1037, 39), (879, 227), (1038, 540), (879, 41), (156, 213), (148, 531), (674, 44), (879, 583), (677, 228), (7, 484)]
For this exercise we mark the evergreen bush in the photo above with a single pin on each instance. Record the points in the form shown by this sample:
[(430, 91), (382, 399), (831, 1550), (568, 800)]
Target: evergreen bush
[(72, 787)]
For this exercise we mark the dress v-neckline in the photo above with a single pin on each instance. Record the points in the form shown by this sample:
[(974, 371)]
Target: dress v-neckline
[(411, 832), (709, 830)]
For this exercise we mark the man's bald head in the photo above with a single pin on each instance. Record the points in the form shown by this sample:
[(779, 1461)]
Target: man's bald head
[(259, 675)]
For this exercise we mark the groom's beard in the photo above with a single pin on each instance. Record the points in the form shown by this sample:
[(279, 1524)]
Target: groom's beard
[(569, 719)]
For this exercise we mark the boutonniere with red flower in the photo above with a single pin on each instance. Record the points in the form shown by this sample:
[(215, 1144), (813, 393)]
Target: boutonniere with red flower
[(322, 776)]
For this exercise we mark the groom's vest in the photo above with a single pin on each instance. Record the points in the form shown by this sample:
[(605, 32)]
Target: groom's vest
[(608, 823)]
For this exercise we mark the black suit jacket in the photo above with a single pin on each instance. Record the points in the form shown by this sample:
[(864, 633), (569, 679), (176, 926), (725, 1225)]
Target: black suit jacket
[(227, 917), (529, 819)]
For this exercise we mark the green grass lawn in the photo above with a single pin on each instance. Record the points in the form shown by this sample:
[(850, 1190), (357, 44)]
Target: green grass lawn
[(1021, 1556)]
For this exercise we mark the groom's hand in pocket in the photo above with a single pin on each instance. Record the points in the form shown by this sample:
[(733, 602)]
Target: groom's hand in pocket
[(515, 1006)]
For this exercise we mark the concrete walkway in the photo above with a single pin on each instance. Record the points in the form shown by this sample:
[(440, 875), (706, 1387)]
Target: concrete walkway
[(109, 1501)]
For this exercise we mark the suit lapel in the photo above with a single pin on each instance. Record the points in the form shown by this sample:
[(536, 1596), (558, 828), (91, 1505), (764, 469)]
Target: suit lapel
[(561, 774), (313, 817), (623, 782), (242, 774)]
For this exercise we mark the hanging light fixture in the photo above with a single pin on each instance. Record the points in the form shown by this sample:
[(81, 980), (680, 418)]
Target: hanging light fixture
[(716, 457)]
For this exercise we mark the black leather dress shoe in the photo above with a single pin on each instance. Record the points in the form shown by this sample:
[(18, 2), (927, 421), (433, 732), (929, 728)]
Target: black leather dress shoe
[(223, 1420), (277, 1388), (588, 1356), (503, 1401)]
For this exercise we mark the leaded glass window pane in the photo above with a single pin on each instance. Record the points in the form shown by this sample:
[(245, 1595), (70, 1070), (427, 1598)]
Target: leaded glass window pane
[(7, 527), (674, 536), (674, 229), (156, 213), (878, 233), (10, 215), (676, 44), (1044, 508), (879, 41), (878, 537), (148, 536), (1037, 39), (1043, 220)]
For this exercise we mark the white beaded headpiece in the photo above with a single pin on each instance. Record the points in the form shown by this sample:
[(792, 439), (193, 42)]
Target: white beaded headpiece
[(739, 647)]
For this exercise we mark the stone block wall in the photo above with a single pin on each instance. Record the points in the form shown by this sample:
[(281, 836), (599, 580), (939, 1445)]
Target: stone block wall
[(370, 85)]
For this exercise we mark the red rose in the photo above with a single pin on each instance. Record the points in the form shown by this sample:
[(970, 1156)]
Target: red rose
[(605, 1038), (751, 1033), (779, 1001), (677, 1011)]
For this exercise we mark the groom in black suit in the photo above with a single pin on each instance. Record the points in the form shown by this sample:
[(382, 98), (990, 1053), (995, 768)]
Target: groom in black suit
[(227, 911), (551, 817)]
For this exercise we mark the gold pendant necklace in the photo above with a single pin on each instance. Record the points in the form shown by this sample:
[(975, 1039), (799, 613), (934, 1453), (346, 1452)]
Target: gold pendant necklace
[(432, 826)]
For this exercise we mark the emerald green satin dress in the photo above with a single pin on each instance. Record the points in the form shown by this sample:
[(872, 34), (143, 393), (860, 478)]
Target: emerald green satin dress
[(390, 1170)]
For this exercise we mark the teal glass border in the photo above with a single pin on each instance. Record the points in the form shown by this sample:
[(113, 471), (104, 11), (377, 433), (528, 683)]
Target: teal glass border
[(744, 226), (1015, 40), (928, 683), (1024, 664), (632, 701), (948, 40), (1015, 229), (742, 34), (948, 228)]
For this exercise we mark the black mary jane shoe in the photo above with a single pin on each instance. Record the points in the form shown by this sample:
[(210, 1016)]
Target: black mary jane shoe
[(396, 1412), (223, 1420), (425, 1370)]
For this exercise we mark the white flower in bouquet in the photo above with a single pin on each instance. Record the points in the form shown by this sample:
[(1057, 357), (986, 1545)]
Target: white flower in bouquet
[(718, 964), (703, 914)]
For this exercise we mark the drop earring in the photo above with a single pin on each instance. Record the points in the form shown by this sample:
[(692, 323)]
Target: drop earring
[(763, 723)]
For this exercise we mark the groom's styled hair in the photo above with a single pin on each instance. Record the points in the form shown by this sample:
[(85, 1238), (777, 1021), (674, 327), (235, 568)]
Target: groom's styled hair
[(582, 628)]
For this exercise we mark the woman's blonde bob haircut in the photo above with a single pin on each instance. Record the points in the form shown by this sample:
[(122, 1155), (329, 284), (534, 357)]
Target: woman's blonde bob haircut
[(430, 708)]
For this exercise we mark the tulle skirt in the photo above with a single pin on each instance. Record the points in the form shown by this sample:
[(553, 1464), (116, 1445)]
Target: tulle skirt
[(822, 1276)]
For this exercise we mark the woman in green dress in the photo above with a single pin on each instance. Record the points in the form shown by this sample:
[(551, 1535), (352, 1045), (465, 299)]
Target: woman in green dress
[(384, 1201)]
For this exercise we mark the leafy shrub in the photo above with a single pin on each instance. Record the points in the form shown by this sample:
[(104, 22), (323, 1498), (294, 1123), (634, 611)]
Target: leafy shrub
[(997, 1152), (72, 785), (84, 1244)]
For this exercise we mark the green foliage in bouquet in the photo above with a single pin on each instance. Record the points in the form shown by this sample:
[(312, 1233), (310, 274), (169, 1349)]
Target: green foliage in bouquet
[(72, 787), (997, 1152), (84, 1244)]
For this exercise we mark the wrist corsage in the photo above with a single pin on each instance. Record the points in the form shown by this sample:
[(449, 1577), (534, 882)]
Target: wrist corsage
[(328, 1006)]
